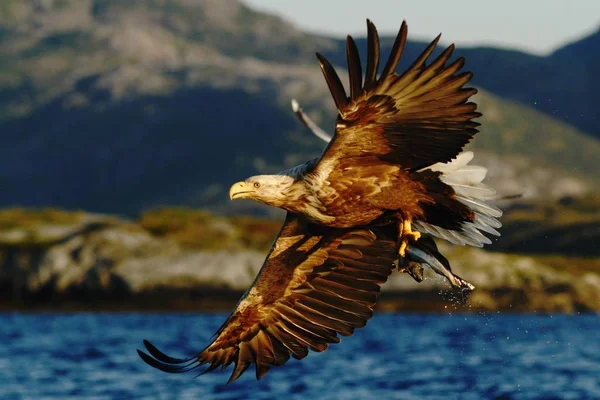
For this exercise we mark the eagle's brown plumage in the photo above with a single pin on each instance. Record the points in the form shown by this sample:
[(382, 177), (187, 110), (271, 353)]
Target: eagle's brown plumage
[(415, 119), (317, 282), (389, 129), (394, 157)]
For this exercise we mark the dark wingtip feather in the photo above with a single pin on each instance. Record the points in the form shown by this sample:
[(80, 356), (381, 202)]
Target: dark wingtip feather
[(172, 369), (372, 56), (446, 54), (162, 357), (163, 362), (334, 83), (396, 53), (435, 41), (239, 369), (149, 360), (354, 68), (261, 370), (210, 368), (420, 61)]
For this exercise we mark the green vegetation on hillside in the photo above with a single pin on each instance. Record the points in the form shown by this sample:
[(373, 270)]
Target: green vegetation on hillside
[(53, 258), (22, 218), (515, 130), (202, 230), (568, 226)]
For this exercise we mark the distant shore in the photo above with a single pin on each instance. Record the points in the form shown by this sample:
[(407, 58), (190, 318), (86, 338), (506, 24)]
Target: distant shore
[(182, 260), (216, 300)]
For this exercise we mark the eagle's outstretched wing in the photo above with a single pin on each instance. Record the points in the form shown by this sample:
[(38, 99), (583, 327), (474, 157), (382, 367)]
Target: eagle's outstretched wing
[(316, 283), (413, 120)]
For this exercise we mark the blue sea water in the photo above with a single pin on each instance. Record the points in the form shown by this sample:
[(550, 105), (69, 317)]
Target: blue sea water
[(92, 356)]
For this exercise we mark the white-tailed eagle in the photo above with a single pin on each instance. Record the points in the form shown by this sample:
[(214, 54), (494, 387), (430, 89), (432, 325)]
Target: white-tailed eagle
[(392, 171)]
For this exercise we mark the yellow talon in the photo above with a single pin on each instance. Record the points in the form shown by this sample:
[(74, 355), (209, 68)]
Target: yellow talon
[(405, 234), (402, 249)]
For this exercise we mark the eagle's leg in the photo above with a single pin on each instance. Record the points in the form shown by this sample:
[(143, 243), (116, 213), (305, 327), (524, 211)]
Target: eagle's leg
[(405, 233)]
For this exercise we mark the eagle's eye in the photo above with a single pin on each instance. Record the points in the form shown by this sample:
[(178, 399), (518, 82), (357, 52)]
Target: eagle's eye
[(256, 185)]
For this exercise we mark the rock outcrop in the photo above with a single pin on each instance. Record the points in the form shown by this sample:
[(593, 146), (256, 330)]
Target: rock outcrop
[(102, 262)]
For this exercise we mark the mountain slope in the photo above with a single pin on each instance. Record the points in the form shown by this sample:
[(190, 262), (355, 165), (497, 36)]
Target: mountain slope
[(49, 46), (119, 106), (562, 85)]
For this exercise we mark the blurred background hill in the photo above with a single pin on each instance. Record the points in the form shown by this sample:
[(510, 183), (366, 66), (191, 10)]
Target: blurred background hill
[(120, 107)]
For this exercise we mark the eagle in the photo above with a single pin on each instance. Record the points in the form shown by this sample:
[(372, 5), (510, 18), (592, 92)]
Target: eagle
[(391, 178)]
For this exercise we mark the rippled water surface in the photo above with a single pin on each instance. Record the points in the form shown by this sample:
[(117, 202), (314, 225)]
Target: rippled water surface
[(92, 356)]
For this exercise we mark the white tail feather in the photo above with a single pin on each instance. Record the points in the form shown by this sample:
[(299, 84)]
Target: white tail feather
[(489, 221), (460, 161), (480, 206), (466, 181), (477, 191), (468, 175), (482, 227)]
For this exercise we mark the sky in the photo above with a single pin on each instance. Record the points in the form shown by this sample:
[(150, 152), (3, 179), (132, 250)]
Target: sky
[(536, 26)]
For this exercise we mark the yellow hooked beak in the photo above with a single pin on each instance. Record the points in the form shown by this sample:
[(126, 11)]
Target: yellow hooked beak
[(239, 190)]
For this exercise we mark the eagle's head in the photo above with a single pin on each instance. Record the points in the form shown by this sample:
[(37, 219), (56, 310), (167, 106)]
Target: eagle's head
[(269, 189)]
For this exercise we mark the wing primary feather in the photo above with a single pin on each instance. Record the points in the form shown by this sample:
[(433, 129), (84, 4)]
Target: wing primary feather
[(430, 72), (397, 49), (301, 336), (354, 68), (450, 70), (325, 321), (325, 309), (370, 266), (242, 362), (293, 345), (223, 358), (352, 284), (357, 309), (334, 83), (210, 368), (442, 58), (172, 369), (425, 54), (263, 354), (280, 352), (372, 56), (344, 292), (160, 356), (373, 276), (298, 319), (261, 370), (297, 329)]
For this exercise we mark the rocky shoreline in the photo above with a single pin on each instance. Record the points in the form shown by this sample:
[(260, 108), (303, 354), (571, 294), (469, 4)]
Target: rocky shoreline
[(101, 263)]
